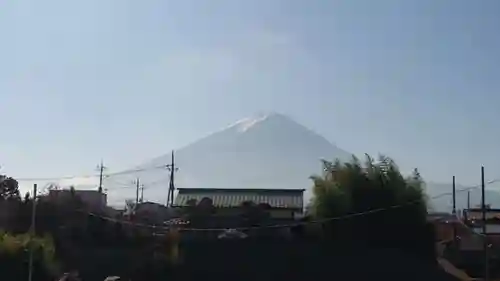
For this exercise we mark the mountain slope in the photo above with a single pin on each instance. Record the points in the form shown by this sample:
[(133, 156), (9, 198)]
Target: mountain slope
[(267, 151)]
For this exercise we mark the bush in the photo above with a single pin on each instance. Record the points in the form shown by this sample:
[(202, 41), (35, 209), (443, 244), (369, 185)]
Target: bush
[(14, 257)]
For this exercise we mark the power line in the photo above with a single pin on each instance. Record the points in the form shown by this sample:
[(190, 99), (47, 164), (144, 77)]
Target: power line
[(172, 168), (348, 216), (119, 185), (125, 172)]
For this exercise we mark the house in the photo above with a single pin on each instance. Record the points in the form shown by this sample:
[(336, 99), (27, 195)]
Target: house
[(476, 214), (93, 199), (468, 239), (153, 213), (282, 203), (473, 219)]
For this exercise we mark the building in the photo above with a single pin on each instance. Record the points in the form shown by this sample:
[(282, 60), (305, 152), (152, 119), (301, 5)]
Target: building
[(93, 199), (476, 214), (153, 213), (445, 225), (282, 203), (473, 219), (467, 236)]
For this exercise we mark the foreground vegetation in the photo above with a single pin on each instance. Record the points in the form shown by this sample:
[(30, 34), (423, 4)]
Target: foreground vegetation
[(14, 254), (98, 248)]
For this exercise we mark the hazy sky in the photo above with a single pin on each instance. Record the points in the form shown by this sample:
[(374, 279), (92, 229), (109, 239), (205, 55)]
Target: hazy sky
[(129, 80)]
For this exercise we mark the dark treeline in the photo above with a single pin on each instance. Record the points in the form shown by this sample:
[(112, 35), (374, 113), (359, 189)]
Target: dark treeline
[(393, 244)]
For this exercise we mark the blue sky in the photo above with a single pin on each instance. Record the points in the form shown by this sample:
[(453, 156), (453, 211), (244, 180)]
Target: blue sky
[(128, 80)]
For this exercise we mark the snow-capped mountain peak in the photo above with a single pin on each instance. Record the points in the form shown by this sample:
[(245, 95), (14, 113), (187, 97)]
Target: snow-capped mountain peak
[(264, 151), (245, 124)]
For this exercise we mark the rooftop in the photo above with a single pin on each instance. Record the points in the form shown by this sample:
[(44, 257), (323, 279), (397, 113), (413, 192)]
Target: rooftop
[(80, 191), (488, 210), (441, 217), (224, 198)]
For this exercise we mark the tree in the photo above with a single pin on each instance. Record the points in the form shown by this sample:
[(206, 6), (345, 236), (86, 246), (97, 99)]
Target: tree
[(191, 203), (26, 197), (200, 213), (254, 214), (72, 191), (390, 203), (206, 206), (264, 211), (130, 207), (353, 188), (9, 188), (14, 251)]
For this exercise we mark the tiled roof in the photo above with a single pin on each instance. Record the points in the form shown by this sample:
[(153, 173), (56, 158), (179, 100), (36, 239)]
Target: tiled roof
[(292, 199)]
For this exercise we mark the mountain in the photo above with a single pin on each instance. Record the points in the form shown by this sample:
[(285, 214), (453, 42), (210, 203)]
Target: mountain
[(265, 151)]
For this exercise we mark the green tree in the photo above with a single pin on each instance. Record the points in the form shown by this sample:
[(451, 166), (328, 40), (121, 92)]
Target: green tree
[(14, 251), (352, 187), (9, 188), (392, 205)]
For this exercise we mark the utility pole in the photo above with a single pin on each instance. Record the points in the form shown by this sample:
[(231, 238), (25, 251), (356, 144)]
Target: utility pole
[(171, 188), (137, 187), (101, 174), (454, 208), (454, 212), (468, 200), (142, 193), (484, 236), (32, 233)]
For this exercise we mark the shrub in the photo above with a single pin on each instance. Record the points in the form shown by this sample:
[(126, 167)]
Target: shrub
[(14, 257)]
